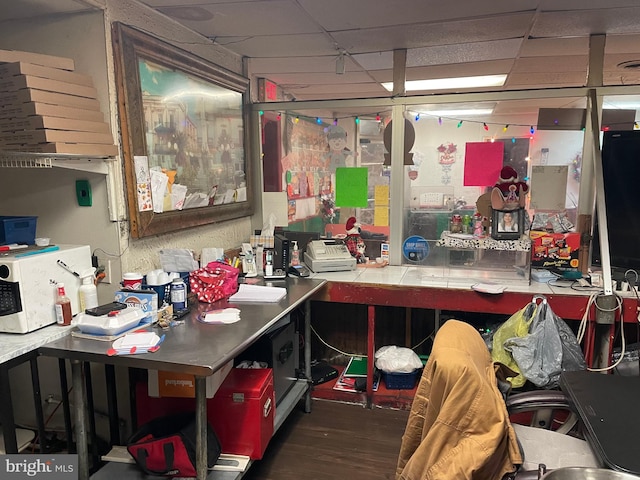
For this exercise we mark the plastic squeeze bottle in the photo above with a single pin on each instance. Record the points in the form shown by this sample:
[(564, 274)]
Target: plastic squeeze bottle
[(63, 306), (295, 255), (88, 292)]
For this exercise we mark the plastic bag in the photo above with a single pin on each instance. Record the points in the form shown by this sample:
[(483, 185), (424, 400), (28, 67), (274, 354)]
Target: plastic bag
[(394, 359), (549, 349), (516, 326)]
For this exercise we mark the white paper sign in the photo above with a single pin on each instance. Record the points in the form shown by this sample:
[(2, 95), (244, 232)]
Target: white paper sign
[(549, 187)]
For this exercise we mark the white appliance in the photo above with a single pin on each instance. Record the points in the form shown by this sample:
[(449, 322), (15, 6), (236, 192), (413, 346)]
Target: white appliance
[(28, 285), (328, 256)]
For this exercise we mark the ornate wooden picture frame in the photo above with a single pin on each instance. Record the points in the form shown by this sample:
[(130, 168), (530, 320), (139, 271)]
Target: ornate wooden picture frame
[(184, 136)]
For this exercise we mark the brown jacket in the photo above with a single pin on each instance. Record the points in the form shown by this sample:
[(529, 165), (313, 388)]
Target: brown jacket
[(458, 427)]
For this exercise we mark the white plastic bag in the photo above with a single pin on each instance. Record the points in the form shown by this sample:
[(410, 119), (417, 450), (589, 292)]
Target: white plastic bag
[(392, 359)]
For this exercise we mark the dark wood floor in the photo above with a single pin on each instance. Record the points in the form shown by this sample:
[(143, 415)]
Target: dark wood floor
[(334, 441)]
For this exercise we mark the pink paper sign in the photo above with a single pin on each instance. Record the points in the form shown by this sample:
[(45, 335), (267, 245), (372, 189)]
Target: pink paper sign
[(482, 163)]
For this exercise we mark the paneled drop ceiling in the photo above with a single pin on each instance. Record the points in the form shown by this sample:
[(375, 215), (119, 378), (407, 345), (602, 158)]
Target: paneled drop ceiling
[(297, 43)]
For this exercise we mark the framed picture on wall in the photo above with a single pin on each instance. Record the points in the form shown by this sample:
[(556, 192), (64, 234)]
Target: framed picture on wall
[(507, 224), (184, 140)]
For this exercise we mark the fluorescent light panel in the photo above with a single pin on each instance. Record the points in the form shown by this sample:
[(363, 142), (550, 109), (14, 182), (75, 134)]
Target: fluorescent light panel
[(457, 113), (451, 83)]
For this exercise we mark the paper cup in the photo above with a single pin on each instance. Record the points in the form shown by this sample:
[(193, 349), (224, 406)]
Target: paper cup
[(132, 281)]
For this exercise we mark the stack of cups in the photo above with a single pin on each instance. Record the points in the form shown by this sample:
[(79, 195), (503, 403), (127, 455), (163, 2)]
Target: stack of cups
[(132, 281), (160, 281)]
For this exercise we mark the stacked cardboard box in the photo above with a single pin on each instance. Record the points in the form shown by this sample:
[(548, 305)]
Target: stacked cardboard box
[(47, 107)]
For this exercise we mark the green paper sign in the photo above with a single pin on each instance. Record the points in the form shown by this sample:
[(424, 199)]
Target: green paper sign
[(352, 187)]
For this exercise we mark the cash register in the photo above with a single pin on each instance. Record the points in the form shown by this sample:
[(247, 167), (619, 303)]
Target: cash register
[(328, 256)]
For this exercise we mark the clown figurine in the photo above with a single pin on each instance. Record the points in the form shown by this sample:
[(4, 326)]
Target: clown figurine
[(354, 241)]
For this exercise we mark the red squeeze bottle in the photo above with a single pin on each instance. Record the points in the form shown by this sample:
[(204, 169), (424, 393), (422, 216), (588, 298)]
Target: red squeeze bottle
[(63, 306)]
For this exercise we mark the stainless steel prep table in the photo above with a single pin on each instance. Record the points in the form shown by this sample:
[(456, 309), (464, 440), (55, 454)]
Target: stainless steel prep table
[(15, 349), (193, 348)]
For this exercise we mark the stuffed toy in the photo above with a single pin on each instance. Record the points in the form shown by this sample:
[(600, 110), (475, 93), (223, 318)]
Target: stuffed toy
[(509, 192), (354, 241)]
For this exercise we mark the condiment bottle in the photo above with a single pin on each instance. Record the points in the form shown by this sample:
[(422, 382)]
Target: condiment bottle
[(478, 228), (456, 223), (63, 306), (295, 254)]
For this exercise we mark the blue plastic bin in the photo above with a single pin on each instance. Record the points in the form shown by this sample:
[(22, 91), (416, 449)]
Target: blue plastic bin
[(401, 381), (18, 230)]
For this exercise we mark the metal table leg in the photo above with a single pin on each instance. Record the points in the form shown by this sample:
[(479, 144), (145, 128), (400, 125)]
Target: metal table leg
[(371, 329), (6, 412), (112, 404), (201, 428), (79, 402), (307, 354), (37, 400), (64, 389)]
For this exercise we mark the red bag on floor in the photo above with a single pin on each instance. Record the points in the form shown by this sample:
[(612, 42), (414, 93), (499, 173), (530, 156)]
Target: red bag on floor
[(214, 282), (167, 446)]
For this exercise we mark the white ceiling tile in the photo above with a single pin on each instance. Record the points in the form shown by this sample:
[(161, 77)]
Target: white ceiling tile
[(275, 17), (622, 44), (280, 45), (421, 35), (564, 5), (320, 78), (589, 22), (546, 79), (300, 64), (21, 9), (179, 3), (621, 78), (510, 107), (462, 53), (566, 63), (370, 87), (374, 61), (541, 47), (336, 15)]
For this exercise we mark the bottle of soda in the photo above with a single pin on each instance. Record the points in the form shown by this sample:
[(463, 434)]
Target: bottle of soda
[(63, 306)]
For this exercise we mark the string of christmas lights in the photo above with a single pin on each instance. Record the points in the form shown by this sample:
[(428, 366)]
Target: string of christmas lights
[(417, 116)]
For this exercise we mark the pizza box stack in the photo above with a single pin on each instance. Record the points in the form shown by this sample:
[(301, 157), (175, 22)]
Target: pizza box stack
[(47, 107)]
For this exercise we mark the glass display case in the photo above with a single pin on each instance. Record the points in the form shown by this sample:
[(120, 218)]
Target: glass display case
[(428, 242), (500, 259)]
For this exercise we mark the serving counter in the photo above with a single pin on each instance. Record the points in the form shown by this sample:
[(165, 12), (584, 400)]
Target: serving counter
[(450, 289)]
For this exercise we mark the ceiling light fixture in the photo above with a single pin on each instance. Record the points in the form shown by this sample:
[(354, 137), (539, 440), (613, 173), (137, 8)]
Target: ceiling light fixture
[(466, 112), (451, 83)]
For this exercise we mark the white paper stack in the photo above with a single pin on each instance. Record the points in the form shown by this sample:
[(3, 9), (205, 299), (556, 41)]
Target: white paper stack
[(258, 293), (225, 315)]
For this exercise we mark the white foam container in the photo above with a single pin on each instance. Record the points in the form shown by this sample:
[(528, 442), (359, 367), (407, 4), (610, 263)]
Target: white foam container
[(109, 324)]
